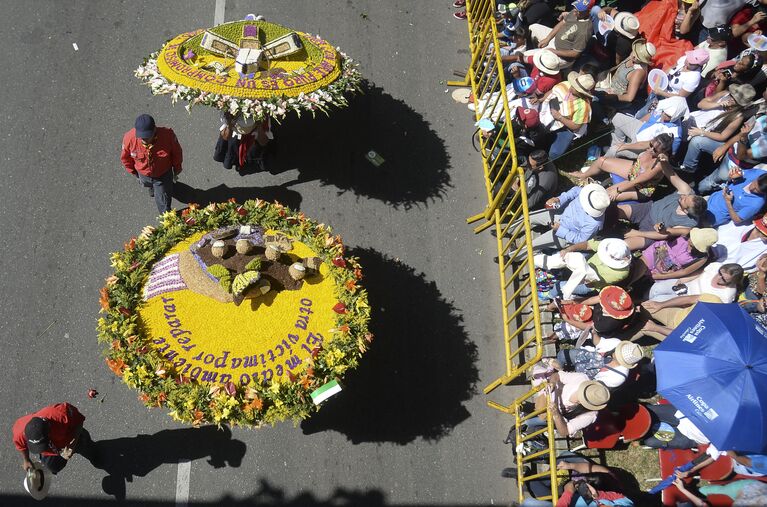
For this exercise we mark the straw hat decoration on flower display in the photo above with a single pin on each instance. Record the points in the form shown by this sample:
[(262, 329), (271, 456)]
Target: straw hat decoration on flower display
[(251, 67)]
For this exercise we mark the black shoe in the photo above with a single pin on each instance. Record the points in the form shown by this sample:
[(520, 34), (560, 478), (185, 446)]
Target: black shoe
[(511, 437), (513, 473)]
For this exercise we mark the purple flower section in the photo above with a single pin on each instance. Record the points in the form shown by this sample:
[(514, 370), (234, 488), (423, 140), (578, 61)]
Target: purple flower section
[(204, 267), (250, 31), (189, 55)]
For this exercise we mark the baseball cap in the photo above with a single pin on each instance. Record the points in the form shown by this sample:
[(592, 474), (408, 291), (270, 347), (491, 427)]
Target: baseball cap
[(36, 433), (720, 33), (582, 5), (528, 117), (145, 127)]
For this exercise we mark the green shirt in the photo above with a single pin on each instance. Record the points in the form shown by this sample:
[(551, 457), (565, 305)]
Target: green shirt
[(607, 275)]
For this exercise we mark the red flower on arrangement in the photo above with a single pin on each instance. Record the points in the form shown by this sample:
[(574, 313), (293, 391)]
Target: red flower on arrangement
[(134, 266), (340, 308), (190, 221), (161, 398), (130, 245), (232, 200), (230, 388), (339, 262), (291, 376), (242, 211), (144, 397), (358, 273), (256, 404), (310, 371), (116, 345), (306, 382), (104, 298), (183, 380), (193, 205), (131, 339), (185, 212), (142, 350), (315, 352), (124, 311), (198, 415), (351, 285), (344, 328), (369, 337)]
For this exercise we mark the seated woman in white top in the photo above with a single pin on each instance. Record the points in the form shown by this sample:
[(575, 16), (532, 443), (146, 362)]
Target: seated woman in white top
[(719, 118), (683, 79), (721, 280)]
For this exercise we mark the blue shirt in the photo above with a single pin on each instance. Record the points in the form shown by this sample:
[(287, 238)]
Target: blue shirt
[(654, 127), (575, 225), (745, 204)]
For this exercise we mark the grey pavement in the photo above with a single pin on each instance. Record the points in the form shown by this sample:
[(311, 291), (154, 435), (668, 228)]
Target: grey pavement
[(413, 427)]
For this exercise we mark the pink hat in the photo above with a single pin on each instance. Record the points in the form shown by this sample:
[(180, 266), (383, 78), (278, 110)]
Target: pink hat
[(697, 56)]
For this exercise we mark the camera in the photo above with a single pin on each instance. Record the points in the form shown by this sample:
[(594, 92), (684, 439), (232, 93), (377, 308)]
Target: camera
[(583, 490)]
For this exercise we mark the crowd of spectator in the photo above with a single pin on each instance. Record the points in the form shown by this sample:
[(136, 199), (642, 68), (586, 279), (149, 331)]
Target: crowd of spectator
[(668, 97)]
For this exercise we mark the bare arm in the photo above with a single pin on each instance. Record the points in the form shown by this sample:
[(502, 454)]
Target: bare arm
[(27, 463), (686, 271), (690, 17), (679, 184)]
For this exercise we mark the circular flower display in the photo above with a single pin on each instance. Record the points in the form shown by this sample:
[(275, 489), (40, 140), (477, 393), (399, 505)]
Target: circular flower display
[(254, 68), (233, 313)]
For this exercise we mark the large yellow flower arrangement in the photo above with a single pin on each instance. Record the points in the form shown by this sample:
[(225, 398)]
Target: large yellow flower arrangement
[(156, 365), (314, 80)]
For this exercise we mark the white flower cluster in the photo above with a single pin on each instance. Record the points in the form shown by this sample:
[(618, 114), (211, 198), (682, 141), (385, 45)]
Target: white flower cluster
[(274, 107)]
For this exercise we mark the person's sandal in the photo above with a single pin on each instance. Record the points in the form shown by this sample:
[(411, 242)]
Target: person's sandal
[(459, 15)]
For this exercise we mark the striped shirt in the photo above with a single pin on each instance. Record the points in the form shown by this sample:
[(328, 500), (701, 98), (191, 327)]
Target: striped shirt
[(571, 106)]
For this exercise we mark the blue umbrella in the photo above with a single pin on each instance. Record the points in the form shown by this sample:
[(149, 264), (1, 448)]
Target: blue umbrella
[(713, 368)]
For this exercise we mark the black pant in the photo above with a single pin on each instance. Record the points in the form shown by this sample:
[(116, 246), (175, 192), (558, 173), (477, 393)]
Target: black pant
[(84, 447)]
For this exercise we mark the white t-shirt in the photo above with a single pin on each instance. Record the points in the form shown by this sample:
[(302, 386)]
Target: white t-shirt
[(571, 381), (688, 429), (687, 80), (703, 284), (715, 57)]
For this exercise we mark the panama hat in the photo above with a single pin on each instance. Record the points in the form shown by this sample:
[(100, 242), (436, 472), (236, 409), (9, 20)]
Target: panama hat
[(583, 83), (743, 94), (593, 395), (614, 253), (643, 51), (627, 24), (628, 354), (703, 239), (616, 302), (547, 62), (594, 199), (37, 482)]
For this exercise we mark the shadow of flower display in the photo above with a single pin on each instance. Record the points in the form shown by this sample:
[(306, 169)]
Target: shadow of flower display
[(419, 371), (333, 149)]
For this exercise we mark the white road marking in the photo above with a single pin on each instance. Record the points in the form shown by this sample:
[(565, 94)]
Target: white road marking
[(218, 18), (182, 483)]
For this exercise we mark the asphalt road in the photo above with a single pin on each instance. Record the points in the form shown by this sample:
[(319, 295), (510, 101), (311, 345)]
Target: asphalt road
[(413, 427)]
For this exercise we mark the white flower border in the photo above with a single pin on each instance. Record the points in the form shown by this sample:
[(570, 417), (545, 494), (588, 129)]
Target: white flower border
[(273, 107)]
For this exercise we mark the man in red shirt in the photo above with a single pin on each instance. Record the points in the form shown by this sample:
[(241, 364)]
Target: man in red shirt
[(54, 433), (154, 155)]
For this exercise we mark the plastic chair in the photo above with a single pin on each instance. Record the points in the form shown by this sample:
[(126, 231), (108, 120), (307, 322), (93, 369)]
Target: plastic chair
[(637, 421), (605, 432)]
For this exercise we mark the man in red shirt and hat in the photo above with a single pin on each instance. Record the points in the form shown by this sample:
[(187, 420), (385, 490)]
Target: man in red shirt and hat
[(54, 433), (153, 154)]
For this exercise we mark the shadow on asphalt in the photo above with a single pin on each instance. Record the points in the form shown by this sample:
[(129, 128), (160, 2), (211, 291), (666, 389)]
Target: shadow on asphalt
[(419, 371), (266, 495), (128, 457), (332, 149), (186, 194)]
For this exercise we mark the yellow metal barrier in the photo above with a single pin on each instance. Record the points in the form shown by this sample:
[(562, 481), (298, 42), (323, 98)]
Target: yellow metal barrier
[(546, 454), (488, 84)]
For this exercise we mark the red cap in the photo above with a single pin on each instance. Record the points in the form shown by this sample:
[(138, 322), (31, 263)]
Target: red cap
[(529, 117)]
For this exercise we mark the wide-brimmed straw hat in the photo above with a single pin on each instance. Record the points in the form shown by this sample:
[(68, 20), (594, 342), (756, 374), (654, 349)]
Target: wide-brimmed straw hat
[(628, 354), (583, 83), (594, 199), (593, 395), (703, 239), (743, 94), (614, 253), (627, 24), (547, 62), (616, 302), (643, 51)]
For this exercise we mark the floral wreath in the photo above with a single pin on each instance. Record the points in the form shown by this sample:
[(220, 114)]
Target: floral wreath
[(170, 71), (130, 355)]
